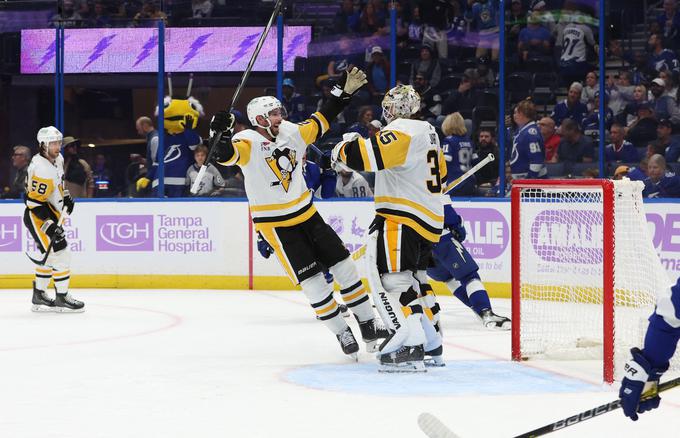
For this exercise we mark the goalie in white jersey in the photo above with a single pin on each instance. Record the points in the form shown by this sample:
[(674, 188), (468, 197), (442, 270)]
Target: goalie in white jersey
[(46, 201), (410, 167), (270, 156)]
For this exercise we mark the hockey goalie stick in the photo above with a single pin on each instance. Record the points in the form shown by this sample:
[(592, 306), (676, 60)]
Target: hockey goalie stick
[(434, 428), (216, 136), (42, 261), (356, 255)]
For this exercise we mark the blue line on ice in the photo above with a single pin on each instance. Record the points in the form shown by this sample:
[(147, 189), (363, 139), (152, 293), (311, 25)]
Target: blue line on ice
[(472, 377)]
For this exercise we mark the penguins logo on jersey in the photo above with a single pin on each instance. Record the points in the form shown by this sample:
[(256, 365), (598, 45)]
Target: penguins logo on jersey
[(282, 163)]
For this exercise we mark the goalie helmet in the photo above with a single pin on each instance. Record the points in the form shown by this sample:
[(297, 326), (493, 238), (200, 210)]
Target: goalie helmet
[(47, 135), (262, 106), (401, 101)]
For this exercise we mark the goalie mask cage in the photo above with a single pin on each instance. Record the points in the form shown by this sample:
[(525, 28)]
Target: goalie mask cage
[(584, 271)]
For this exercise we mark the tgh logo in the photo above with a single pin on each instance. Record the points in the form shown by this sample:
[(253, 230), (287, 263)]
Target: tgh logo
[(10, 233), (125, 233)]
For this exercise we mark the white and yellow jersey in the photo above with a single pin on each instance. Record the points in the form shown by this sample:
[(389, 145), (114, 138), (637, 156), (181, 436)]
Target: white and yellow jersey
[(410, 169), (276, 189), (45, 184)]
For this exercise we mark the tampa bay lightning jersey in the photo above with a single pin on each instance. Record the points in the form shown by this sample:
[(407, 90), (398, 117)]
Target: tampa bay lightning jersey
[(458, 155), (528, 156), (665, 60)]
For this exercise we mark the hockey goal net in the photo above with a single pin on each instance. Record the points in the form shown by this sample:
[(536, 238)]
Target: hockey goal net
[(584, 271)]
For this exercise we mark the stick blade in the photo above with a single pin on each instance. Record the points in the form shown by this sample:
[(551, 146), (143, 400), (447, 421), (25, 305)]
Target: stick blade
[(433, 427)]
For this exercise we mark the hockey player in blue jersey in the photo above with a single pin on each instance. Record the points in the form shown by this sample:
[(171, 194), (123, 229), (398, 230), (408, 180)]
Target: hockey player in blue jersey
[(645, 368), (453, 265), (457, 148), (528, 157)]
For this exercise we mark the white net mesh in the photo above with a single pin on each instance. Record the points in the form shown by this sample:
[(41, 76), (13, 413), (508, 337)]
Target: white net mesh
[(562, 276)]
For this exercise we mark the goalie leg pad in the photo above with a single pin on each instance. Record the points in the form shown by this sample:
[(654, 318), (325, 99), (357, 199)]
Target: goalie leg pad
[(352, 289), (320, 296)]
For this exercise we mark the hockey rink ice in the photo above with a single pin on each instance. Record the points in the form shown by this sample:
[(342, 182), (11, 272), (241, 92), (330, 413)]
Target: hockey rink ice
[(257, 364)]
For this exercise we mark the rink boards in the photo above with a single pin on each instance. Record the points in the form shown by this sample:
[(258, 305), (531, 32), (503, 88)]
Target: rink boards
[(205, 243)]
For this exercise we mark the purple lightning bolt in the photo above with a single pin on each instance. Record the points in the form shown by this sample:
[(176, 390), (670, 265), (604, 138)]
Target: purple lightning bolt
[(195, 47), (99, 49), (244, 46), (146, 49), (293, 45), (50, 52)]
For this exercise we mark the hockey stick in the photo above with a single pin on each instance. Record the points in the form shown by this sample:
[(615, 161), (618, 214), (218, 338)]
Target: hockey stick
[(434, 428), (49, 247), (356, 255), (217, 135)]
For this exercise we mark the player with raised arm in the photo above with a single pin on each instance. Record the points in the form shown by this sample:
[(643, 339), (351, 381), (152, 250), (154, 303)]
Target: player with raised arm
[(46, 200), (409, 168), (643, 371), (270, 157)]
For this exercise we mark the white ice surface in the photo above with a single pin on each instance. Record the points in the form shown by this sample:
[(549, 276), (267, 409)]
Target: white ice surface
[(257, 364)]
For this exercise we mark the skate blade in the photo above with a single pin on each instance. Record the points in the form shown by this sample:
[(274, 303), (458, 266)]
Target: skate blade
[(507, 325), (354, 357), (404, 367), (372, 346), (40, 308), (67, 310), (434, 363)]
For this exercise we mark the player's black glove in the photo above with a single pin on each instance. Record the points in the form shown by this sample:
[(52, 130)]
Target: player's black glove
[(54, 232), (222, 121), (68, 202), (264, 247), (224, 151)]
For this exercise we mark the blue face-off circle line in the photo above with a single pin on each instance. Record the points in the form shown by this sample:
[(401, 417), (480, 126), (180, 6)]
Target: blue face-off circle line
[(457, 378)]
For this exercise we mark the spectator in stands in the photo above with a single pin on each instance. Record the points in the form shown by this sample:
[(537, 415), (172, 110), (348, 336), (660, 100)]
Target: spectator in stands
[(378, 73), (551, 140), (68, 16), (591, 123), (528, 157), (104, 184), (620, 149), (660, 183), (643, 129), (574, 147), (620, 92), (665, 106), (372, 21), (100, 16), (437, 16), (669, 22), (145, 128), (463, 99), (591, 87), (21, 157), (573, 41), (430, 100), (363, 122), (515, 20), (485, 75), (534, 41), (669, 145), (428, 66), (351, 184), (486, 144), (483, 19), (457, 148), (545, 17), (629, 114), (135, 170), (149, 15), (348, 18), (639, 172), (293, 102), (660, 58), (202, 8), (77, 172), (212, 183), (571, 107)]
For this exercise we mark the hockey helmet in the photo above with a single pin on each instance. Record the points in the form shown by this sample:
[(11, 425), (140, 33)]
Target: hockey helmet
[(262, 106), (401, 101), (47, 135)]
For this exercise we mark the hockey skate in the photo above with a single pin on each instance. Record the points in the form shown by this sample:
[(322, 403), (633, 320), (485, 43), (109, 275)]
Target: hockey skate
[(348, 343), (371, 331), (41, 302), (434, 358), (65, 303), (493, 321), (404, 360)]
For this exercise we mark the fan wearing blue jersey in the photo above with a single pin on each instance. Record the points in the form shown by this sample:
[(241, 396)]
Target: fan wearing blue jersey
[(645, 368), (454, 266), (528, 157), (458, 149)]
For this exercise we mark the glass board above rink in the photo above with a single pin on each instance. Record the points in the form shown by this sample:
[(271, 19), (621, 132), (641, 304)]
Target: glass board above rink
[(187, 49)]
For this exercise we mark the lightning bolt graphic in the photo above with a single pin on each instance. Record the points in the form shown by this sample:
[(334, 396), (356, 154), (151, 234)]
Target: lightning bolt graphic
[(195, 47), (99, 49), (50, 52), (290, 50), (146, 49), (459, 248), (244, 46)]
